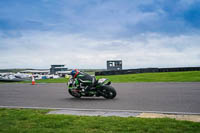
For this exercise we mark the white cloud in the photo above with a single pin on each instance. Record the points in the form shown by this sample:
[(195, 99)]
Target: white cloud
[(41, 49)]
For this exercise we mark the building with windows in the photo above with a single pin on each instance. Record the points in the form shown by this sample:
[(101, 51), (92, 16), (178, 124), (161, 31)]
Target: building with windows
[(55, 69), (114, 65), (34, 72)]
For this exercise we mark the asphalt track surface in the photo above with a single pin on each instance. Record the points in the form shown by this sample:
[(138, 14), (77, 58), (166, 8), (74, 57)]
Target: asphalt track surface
[(164, 97)]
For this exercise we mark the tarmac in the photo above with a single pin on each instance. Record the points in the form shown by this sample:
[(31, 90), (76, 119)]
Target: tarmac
[(156, 97), (146, 100)]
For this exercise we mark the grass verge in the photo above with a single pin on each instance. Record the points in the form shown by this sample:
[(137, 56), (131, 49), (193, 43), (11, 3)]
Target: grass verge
[(190, 76), (58, 80), (34, 121)]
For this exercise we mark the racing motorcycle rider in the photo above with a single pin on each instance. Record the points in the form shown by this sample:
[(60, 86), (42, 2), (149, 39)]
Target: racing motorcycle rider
[(85, 80)]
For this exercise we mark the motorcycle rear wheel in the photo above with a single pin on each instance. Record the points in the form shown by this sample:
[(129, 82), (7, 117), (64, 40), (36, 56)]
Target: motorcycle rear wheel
[(76, 95)]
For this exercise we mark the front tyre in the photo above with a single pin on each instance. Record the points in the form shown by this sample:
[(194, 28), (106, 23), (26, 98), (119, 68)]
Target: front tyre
[(108, 92)]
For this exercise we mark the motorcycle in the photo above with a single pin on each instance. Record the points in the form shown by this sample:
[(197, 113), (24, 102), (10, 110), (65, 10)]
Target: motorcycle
[(98, 88)]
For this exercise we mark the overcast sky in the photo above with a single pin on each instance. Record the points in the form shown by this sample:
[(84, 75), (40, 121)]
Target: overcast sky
[(87, 33)]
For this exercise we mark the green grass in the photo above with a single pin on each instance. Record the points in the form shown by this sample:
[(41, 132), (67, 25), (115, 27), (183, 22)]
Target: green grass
[(58, 80), (37, 121), (191, 76)]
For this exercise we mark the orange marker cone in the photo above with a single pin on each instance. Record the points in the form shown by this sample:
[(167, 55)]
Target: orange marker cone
[(33, 80)]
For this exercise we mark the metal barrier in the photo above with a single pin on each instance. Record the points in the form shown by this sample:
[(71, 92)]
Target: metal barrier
[(147, 70)]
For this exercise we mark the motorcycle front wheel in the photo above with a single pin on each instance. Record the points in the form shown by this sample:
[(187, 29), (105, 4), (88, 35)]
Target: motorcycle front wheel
[(108, 92)]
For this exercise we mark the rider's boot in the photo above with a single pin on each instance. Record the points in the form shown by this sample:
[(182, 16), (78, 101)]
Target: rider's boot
[(87, 89)]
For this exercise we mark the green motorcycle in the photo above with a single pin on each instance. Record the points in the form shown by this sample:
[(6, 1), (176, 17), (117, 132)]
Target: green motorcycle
[(98, 88)]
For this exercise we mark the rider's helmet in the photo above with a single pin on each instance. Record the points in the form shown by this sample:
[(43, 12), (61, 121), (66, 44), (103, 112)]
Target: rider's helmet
[(74, 73)]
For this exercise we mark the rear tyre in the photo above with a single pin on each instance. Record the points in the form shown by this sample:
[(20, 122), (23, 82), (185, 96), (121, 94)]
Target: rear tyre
[(108, 92), (74, 94)]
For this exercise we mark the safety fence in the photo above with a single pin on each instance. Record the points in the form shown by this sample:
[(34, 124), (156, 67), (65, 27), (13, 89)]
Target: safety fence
[(147, 70)]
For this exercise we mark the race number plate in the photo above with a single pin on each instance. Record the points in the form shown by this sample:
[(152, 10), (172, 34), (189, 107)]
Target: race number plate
[(102, 80)]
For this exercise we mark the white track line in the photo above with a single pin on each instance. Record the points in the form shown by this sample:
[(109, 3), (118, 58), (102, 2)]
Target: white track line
[(104, 110)]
